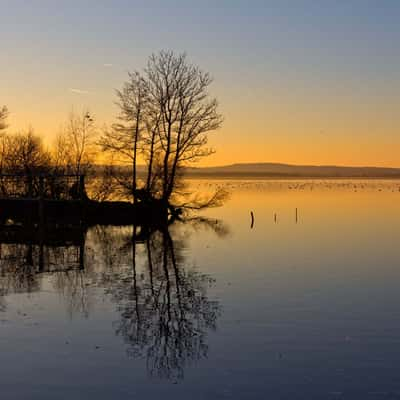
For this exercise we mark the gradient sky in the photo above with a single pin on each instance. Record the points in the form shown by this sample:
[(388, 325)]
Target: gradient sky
[(315, 82)]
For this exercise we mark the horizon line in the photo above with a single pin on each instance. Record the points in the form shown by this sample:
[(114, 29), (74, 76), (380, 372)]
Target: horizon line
[(278, 164)]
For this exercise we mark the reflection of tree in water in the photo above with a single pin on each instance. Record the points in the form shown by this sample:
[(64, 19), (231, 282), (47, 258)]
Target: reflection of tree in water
[(67, 266), (22, 267), (164, 308), (165, 313), (72, 286), (17, 269)]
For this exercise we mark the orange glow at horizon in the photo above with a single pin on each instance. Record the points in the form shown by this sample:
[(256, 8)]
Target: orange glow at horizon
[(279, 141)]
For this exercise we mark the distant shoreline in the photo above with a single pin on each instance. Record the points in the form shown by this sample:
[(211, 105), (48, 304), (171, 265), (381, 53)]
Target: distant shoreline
[(286, 177), (288, 171), (274, 171)]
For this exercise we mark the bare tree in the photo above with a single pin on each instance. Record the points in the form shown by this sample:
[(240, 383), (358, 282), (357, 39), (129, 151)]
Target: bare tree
[(21, 153), (180, 91), (125, 136), (165, 115), (75, 145), (26, 154)]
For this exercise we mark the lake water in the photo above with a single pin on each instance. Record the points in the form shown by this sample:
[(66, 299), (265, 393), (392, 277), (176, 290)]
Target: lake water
[(295, 307)]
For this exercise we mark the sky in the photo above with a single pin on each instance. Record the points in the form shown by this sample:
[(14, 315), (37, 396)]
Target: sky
[(303, 82)]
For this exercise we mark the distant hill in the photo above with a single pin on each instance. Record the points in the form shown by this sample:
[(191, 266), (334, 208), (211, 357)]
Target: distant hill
[(274, 170)]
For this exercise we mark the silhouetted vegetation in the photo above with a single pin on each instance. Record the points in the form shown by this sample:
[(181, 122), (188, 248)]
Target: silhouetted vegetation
[(24, 159), (166, 113)]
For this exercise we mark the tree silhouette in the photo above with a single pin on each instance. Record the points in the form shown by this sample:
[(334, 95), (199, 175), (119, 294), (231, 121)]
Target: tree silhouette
[(166, 113)]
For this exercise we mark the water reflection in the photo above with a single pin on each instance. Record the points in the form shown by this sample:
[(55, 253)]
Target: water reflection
[(17, 269), (164, 312)]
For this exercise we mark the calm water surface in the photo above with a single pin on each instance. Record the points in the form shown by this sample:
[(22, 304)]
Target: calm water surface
[(215, 309)]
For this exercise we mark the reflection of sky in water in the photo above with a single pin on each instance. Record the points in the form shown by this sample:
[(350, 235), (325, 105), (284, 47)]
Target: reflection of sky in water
[(306, 310)]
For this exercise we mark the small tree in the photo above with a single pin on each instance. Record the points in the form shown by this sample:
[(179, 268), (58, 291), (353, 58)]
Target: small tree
[(123, 140), (75, 145), (74, 148), (27, 154)]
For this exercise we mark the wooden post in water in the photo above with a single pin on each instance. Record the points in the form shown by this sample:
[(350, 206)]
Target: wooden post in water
[(296, 216)]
